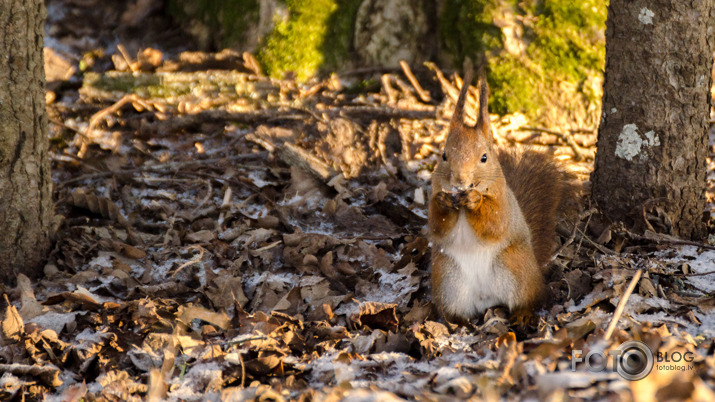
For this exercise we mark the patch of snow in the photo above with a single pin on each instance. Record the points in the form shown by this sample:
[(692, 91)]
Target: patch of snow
[(68, 380), (95, 387), (323, 228), (254, 211), (288, 201), (699, 263), (393, 288), (310, 280), (707, 326), (160, 271), (393, 368), (347, 309), (278, 280), (587, 300), (137, 270), (459, 342), (103, 260), (54, 321), (199, 378), (635, 302), (661, 317), (257, 178)]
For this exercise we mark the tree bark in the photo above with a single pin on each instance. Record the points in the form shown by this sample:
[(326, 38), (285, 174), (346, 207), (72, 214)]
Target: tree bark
[(25, 180), (650, 170)]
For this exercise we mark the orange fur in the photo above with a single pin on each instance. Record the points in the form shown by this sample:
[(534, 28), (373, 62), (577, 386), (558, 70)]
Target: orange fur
[(519, 258), (544, 192), (489, 221), (441, 217)]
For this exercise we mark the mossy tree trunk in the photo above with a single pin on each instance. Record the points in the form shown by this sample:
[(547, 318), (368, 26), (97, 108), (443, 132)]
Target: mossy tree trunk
[(25, 181), (650, 169)]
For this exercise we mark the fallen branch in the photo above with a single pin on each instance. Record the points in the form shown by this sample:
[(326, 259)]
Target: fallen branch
[(170, 86), (184, 122), (85, 137), (568, 139), (661, 238), (424, 95), (447, 87), (599, 247), (295, 156)]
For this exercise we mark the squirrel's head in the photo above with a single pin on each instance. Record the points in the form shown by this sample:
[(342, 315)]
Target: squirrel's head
[(469, 153)]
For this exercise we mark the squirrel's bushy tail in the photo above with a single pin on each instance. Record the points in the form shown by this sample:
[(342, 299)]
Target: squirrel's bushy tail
[(545, 192)]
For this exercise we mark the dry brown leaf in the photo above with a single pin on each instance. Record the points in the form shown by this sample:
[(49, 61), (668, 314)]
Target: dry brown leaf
[(264, 365), (202, 236), (80, 297), (48, 374), (105, 207), (376, 315), (12, 324), (186, 314), (226, 290), (30, 306), (131, 251)]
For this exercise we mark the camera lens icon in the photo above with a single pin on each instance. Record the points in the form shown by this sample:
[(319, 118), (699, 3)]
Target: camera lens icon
[(635, 360)]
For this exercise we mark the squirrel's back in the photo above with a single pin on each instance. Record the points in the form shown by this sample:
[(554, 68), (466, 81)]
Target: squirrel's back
[(545, 192)]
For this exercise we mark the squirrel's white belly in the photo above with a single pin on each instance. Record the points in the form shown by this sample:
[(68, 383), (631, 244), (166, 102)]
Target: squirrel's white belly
[(479, 282)]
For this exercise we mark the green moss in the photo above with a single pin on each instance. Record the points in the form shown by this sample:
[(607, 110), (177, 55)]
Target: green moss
[(514, 86), (565, 41), (227, 20), (314, 35), (568, 37), (230, 84), (466, 28)]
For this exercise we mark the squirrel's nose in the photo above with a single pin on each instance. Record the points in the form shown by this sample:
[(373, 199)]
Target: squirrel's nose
[(459, 186), (460, 182)]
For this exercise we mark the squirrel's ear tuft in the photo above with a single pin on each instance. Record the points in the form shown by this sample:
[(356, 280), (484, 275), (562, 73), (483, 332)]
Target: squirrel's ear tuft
[(458, 115), (483, 125)]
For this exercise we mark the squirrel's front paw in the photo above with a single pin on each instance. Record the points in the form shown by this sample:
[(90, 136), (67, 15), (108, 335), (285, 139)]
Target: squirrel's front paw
[(472, 200), (446, 200)]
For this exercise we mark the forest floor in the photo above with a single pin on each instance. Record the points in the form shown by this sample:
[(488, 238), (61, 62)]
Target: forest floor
[(225, 236)]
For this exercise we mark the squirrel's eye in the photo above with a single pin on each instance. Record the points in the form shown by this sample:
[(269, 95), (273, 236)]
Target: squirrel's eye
[(444, 156), (484, 158)]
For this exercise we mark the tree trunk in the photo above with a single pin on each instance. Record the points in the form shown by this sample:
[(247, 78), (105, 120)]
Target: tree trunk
[(25, 181), (650, 168)]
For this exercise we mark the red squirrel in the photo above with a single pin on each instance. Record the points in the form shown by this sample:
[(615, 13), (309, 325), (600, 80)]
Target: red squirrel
[(492, 219)]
